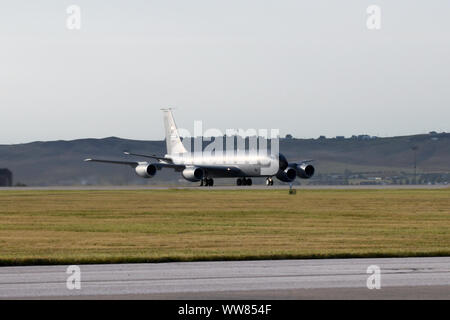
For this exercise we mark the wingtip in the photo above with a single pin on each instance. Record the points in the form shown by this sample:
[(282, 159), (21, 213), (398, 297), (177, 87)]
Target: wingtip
[(126, 152), (87, 160)]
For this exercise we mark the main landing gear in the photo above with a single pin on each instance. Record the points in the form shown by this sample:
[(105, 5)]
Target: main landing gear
[(207, 182), (244, 182), (269, 182)]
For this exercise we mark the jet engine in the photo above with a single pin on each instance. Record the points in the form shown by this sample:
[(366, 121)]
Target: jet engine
[(192, 174), (146, 170), (304, 170), (287, 175)]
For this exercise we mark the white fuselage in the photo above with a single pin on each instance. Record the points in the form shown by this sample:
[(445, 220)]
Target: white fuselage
[(251, 165)]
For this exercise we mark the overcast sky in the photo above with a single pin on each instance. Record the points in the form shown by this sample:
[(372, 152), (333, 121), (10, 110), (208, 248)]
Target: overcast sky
[(308, 68)]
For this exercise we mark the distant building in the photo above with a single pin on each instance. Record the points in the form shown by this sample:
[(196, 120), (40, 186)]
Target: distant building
[(340, 138), (6, 178), (364, 137), (322, 138), (289, 136)]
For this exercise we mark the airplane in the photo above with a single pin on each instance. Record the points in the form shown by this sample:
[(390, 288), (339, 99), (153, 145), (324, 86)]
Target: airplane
[(196, 167)]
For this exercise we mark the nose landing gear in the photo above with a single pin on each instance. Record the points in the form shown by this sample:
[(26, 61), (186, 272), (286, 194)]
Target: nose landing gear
[(269, 182)]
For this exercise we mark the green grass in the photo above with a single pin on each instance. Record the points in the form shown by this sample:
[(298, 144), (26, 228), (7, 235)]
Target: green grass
[(54, 227)]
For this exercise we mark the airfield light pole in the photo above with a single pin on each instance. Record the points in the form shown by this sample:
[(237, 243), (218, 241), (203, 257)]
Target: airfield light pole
[(414, 149)]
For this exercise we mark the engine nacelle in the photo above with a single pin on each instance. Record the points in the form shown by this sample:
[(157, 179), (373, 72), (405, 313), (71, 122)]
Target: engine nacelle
[(305, 171), (146, 170), (287, 175), (192, 174)]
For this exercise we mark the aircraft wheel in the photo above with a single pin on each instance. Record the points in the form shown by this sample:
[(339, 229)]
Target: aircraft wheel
[(268, 182), (249, 182), (239, 182), (271, 182), (206, 182), (201, 183), (210, 182)]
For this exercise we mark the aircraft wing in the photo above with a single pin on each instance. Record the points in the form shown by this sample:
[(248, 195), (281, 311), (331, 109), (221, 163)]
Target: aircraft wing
[(134, 164), (160, 159), (305, 161)]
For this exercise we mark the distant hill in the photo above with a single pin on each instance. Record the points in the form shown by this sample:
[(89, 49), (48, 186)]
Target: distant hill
[(61, 162)]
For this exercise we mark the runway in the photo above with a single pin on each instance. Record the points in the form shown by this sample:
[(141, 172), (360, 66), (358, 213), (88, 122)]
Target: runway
[(400, 278), (223, 187)]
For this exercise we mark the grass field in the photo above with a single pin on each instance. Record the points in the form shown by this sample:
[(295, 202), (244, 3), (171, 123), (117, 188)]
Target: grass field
[(49, 227)]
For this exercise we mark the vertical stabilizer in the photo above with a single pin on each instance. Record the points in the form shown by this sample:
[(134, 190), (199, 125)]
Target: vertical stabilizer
[(173, 141)]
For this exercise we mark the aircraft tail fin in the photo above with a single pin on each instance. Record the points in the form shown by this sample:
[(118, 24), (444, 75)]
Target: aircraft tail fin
[(173, 141)]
